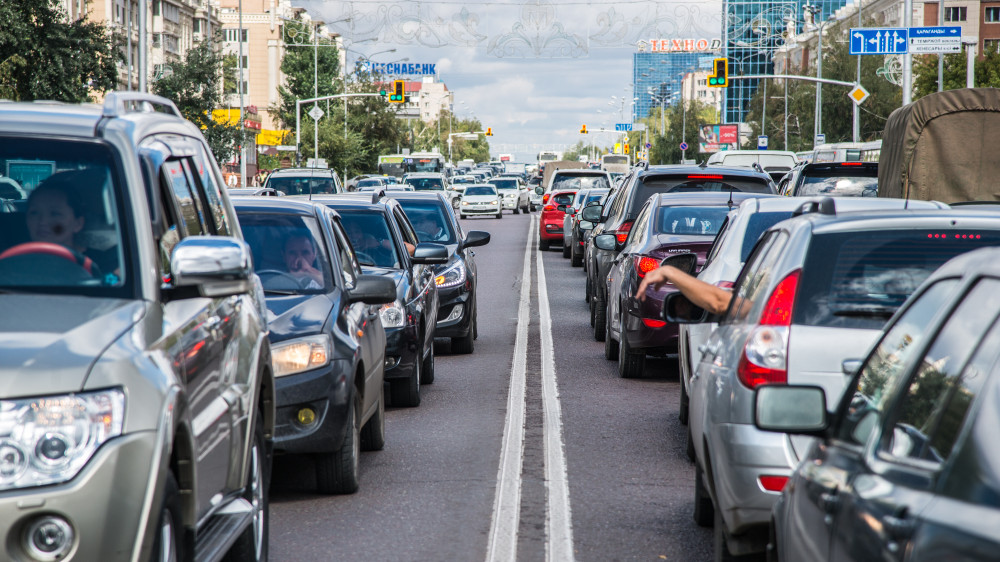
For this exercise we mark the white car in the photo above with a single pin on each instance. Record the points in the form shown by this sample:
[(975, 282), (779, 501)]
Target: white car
[(480, 199), (513, 195)]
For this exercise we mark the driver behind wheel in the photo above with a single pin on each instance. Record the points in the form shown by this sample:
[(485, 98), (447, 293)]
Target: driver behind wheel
[(299, 253)]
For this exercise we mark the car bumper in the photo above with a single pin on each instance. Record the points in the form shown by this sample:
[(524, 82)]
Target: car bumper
[(511, 204), (326, 392), (648, 334), (550, 229), (103, 504), (454, 311), (471, 210), (401, 353)]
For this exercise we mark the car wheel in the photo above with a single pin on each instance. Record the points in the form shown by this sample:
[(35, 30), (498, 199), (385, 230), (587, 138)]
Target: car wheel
[(461, 216), (252, 545), (566, 249), (610, 344), (704, 511), (373, 433), (543, 245), (527, 208), (168, 544), (631, 362), (406, 392), (427, 373), (592, 311), (517, 211), (337, 472), (772, 554), (682, 411), (600, 315), (475, 323), (500, 214), (689, 446), (465, 344), (576, 258)]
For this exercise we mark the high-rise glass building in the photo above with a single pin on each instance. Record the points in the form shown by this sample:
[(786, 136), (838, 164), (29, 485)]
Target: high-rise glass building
[(753, 32), (659, 74)]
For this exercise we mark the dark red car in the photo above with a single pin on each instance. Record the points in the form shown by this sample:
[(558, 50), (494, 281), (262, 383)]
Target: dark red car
[(550, 226)]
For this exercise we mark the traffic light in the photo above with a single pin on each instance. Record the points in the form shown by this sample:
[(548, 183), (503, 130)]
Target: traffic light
[(720, 77), (489, 131), (398, 91), (583, 130), (626, 148)]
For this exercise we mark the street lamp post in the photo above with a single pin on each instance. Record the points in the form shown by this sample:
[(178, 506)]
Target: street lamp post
[(818, 121)]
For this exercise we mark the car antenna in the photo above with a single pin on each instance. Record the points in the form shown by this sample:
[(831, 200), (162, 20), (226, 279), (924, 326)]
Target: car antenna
[(704, 163), (730, 202)]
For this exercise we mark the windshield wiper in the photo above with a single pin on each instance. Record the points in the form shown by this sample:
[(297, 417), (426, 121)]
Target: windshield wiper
[(866, 311), (280, 292)]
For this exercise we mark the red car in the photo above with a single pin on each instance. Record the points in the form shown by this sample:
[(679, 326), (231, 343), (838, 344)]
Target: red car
[(550, 227)]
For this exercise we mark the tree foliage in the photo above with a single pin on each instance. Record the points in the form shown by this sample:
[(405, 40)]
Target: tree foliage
[(195, 87), (43, 56), (309, 71), (680, 123), (986, 73)]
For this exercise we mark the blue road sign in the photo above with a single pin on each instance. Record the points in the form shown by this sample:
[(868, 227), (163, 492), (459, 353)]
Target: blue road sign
[(943, 39), (623, 126), (879, 41), (684, 146)]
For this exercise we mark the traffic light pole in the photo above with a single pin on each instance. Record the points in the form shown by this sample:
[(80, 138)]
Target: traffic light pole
[(298, 121)]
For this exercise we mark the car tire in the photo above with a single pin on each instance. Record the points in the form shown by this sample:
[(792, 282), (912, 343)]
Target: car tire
[(600, 316), (465, 344), (475, 323), (543, 245), (373, 433), (631, 363), (252, 544), (576, 258), (337, 472), (586, 298), (719, 541), (168, 544), (704, 510), (427, 373), (517, 211), (406, 392), (461, 216), (527, 208), (566, 249), (610, 344), (685, 403), (500, 214), (689, 446)]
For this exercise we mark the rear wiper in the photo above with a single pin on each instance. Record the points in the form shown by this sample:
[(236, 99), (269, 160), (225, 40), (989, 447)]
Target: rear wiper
[(279, 292), (866, 311)]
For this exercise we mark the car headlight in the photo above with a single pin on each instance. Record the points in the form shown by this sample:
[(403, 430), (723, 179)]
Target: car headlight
[(451, 277), (48, 440), (301, 354), (493, 202), (392, 315), (465, 202)]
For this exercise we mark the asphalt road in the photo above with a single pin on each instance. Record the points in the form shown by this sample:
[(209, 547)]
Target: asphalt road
[(596, 471)]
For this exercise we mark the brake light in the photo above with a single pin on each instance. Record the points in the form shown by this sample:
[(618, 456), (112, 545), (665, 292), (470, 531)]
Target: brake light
[(851, 164), (653, 323), (549, 208), (545, 198), (622, 233), (765, 356), (773, 483), (704, 177), (645, 264), (962, 236)]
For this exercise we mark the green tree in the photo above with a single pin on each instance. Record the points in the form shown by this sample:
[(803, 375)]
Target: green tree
[(985, 75), (309, 72), (680, 124), (195, 87), (42, 56)]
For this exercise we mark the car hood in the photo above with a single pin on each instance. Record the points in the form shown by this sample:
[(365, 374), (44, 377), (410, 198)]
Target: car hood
[(53, 340), (398, 277), (292, 316)]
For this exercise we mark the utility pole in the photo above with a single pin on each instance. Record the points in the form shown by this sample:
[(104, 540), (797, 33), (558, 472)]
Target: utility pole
[(243, 139)]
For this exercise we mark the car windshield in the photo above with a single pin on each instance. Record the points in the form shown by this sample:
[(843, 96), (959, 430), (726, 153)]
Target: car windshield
[(568, 181), (370, 235), (429, 221), (426, 184), (701, 182), (464, 179), (859, 279), (505, 184), (840, 184), (288, 252), (690, 220), (302, 185), (370, 183), (480, 190), (60, 203)]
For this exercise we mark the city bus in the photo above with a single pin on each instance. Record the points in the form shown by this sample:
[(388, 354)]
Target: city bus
[(548, 156), (401, 164)]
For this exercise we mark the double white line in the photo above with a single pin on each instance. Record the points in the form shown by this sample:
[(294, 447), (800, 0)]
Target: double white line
[(502, 546)]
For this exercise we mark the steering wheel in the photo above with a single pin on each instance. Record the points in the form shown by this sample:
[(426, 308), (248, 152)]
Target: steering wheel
[(55, 250), (297, 281)]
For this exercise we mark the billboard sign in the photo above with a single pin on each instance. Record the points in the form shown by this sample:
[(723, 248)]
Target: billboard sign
[(400, 68), (687, 45), (717, 137)]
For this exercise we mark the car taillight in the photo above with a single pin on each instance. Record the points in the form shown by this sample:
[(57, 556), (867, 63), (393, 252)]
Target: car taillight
[(765, 355), (653, 323), (773, 483), (622, 233), (645, 264), (549, 208), (545, 198)]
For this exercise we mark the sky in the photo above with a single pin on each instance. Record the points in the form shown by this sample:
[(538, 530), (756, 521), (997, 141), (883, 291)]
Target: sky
[(533, 71)]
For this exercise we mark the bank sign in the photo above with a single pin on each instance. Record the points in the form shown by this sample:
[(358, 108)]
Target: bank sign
[(400, 68), (679, 45)]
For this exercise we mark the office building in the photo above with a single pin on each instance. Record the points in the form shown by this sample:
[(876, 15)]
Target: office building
[(657, 74)]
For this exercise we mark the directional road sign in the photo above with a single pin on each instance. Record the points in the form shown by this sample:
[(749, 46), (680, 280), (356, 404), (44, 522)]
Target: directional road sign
[(623, 126), (879, 41), (936, 39)]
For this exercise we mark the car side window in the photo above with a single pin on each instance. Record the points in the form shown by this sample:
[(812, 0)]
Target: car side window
[(639, 227), (213, 190), (927, 420), (185, 196), (748, 292), (349, 269), (409, 235), (887, 364), (717, 243)]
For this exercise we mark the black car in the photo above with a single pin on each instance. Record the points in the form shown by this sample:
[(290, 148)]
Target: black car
[(434, 221), (907, 467), (575, 239), (835, 179), (304, 181), (383, 240), (327, 341), (631, 196)]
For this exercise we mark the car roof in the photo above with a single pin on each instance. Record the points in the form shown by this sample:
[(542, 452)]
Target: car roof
[(352, 201), (280, 205), (898, 219), (301, 171), (679, 169)]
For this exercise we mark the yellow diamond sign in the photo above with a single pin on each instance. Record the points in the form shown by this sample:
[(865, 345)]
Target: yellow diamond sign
[(858, 94)]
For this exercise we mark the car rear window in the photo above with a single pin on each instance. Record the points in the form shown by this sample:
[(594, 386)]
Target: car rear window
[(580, 181), (690, 220), (756, 225), (563, 198), (647, 185), (839, 182), (426, 184), (504, 183), (859, 279), (304, 185)]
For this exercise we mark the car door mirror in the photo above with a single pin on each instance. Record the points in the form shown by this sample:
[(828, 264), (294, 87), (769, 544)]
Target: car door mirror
[(210, 266), (679, 309), (586, 225), (430, 253), (850, 366), (373, 289), (790, 409), (592, 213), (606, 242), (539, 190), (476, 238), (563, 208), (687, 262)]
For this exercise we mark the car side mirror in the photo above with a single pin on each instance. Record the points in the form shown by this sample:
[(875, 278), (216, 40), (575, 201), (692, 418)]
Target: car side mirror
[(606, 242), (586, 225), (373, 289), (430, 253), (476, 238), (592, 213), (563, 208), (790, 409), (687, 262), (850, 366), (539, 190), (679, 309), (210, 266)]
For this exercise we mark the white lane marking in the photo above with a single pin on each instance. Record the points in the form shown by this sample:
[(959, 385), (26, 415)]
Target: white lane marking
[(502, 546), (559, 521)]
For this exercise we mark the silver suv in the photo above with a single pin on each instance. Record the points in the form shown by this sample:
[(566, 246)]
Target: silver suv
[(138, 395)]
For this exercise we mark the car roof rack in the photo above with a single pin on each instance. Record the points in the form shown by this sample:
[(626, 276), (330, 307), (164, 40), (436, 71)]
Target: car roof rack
[(824, 206), (117, 104)]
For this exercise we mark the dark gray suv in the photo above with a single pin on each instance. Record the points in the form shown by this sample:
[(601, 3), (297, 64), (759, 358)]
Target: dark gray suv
[(138, 394)]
